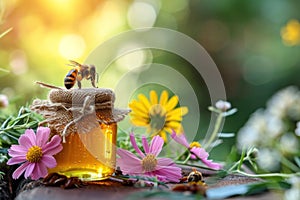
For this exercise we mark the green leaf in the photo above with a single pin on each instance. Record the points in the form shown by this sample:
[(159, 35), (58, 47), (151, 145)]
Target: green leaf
[(297, 160)]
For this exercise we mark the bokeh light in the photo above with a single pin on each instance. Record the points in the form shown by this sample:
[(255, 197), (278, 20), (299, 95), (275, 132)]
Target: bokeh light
[(18, 62), (291, 33), (71, 46), (141, 15)]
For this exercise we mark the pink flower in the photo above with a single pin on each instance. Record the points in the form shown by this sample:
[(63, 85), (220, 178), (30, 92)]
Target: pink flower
[(35, 153), (203, 155), (3, 101), (196, 152), (147, 163)]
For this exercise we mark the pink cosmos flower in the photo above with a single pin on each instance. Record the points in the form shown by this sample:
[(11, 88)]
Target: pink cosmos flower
[(35, 153), (148, 164), (196, 152)]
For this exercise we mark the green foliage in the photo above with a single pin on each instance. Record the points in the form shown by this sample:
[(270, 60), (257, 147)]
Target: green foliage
[(123, 141), (12, 127)]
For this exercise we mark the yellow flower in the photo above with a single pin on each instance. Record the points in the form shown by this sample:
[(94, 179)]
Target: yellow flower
[(195, 144), (158, 115), (290, 34)]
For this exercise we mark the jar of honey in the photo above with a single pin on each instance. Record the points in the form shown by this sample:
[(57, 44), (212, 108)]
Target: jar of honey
[(87, 121)]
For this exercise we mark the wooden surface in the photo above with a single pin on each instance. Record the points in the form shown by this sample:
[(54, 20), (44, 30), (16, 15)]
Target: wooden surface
[(111, 190)]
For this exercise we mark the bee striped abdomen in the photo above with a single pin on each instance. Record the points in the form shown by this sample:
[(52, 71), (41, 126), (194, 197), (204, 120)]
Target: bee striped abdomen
[(70, 78)]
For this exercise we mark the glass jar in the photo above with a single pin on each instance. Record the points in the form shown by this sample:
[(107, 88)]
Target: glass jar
[(87, 121), (89, 156)]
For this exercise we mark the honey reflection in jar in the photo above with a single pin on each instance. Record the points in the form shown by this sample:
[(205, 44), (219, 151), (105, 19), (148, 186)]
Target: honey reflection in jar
[(88, 156)]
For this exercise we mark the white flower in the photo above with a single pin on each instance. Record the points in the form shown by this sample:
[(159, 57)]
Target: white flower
[(289, 144), (275, 126), (268, 159), (223, 105), (247, 137), (3, 101), (294, 192), (297, 131), (285, 103)]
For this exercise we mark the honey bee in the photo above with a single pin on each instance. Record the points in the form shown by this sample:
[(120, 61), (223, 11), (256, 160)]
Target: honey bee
[(195, 176), (78, 73)]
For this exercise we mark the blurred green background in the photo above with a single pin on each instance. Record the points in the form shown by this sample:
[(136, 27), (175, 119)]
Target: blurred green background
[(255, 44)]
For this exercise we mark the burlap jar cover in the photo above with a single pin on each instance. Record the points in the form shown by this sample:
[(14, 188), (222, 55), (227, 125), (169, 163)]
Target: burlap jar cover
[(78, 110)]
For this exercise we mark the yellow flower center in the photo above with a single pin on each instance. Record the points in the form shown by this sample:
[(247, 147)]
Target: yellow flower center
[(157, 117), (149, 163), (195, 144), (34, 154)]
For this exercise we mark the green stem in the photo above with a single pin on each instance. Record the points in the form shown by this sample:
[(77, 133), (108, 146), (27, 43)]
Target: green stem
[(185, 161), (289, 164), (214, 134), (267, 175), (177, 158)]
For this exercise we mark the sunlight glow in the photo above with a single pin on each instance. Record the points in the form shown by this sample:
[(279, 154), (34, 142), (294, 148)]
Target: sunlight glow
[(72, 46)]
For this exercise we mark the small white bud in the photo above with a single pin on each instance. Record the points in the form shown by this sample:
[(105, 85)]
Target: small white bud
[(223, 105)]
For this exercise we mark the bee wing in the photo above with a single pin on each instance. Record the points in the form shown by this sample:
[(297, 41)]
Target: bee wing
[(74, 64)]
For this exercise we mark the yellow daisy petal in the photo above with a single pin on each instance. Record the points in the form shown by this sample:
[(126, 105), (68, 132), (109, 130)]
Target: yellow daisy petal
[(174, 118), (137, 111), (139, 122), (163, 135), (163, 98), (178, 111), (153, 97), (134, 104), (171, 103), (137, 117), (143, 99), (173, 124)]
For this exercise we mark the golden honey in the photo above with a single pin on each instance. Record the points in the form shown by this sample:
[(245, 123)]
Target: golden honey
[(88, 156)]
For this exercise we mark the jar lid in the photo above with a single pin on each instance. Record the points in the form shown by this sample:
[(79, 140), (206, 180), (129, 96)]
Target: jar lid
[(78, 96)]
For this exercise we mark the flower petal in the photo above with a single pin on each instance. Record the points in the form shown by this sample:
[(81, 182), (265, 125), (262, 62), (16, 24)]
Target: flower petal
[(156, 145), (172, 173), (171, 103), (29, 133), (135, 146), (143, 99), (134, 104), (153, 97), (203, 155), (29, 169), (16, 160), (163, 98), (145, 144), (163, 134), (54, 146), (48, 161), (42, 136), (18, 148), (180, 138), (14, 153), (24, 141), (178, 111), (39, 171), (129, 163), (200, 153), (162, 162), (19, 171), (212, 165)]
